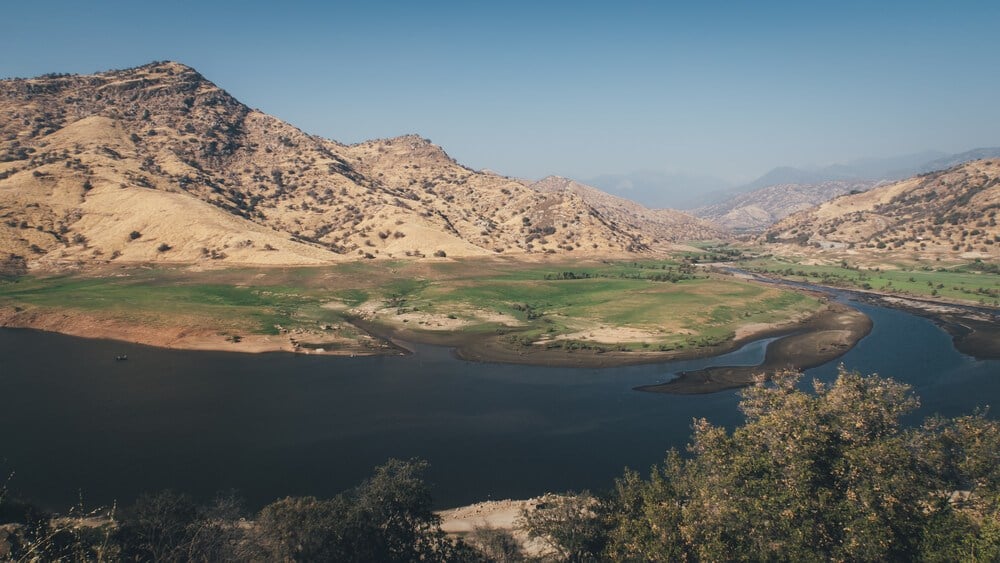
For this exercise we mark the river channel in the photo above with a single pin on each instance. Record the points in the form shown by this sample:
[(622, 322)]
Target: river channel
[(74, 421)]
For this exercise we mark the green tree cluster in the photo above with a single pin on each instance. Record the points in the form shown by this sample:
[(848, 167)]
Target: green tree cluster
[(386, 518), (831, 474)]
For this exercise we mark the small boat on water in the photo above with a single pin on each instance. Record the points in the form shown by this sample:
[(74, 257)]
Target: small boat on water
[(121, 357)]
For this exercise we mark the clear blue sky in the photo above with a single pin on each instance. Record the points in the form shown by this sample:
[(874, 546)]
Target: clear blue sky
[(577, 88)]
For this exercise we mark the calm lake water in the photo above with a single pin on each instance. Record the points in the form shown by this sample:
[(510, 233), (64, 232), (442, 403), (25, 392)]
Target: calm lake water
[(73, 420)]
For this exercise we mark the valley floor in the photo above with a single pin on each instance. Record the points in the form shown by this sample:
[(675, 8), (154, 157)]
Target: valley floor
[(597, 313)]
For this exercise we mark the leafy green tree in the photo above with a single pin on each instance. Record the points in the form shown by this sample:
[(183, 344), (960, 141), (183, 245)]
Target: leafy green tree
[(831, 475), (646, 517)]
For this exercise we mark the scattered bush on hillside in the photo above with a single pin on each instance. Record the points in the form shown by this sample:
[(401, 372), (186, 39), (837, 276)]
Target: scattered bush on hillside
[(12, 266)]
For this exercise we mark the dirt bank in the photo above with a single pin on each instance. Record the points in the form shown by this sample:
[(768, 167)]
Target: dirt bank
[(974, 331), (379, 339), (502, 515), (821, 339), (183, 336)]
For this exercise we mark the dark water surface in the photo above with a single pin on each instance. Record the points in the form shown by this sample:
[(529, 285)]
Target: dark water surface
[(73, 419)]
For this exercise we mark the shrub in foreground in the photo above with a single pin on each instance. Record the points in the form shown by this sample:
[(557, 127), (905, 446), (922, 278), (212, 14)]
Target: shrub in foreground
[(827, 475)]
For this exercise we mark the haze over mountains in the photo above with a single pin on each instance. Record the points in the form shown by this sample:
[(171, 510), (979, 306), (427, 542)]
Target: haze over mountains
[(660, 189), (758, 209), (754, 206), (688, 192), (156, 163), (660, 224)]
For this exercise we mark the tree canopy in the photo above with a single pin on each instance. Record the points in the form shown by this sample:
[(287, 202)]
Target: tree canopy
[(831, 475)]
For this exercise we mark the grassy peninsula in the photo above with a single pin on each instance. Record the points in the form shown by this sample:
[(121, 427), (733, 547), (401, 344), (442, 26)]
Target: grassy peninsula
[(497, 308)]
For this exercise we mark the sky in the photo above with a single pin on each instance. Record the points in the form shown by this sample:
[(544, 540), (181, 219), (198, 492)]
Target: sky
[(579, 89)]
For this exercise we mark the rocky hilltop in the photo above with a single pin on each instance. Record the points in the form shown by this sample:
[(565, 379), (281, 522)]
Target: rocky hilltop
[(662, 227), (949, 214), (157, 164), (756, 210)]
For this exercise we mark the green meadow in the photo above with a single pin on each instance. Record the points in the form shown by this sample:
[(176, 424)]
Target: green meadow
[(623, 305), (974, 282)]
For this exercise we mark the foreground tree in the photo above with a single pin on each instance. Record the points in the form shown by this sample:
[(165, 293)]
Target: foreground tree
[(386, 518), (825, 475)]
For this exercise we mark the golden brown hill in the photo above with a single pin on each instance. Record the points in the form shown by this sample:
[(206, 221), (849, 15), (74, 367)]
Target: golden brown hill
[(949, 213), (659, 228), (157, 164)]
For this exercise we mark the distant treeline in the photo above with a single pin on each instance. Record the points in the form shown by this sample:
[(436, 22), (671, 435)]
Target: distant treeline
[(667, 274)]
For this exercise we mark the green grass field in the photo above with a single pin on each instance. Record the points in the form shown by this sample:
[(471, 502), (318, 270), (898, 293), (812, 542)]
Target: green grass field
[(974, 282), (623, 305)]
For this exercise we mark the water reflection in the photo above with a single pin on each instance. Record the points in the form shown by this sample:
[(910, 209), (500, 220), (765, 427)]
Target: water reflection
[(279, 424)]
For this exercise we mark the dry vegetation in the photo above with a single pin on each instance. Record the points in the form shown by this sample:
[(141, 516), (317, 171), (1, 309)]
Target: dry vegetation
[(757, 210), (948, 214), (157, 164), (658, 228)]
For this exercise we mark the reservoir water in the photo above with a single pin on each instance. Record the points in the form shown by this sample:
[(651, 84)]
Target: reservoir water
[(75, 421)]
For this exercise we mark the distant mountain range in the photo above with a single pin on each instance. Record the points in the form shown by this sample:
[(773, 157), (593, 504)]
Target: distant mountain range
[(680, 191), (157, 164), (758, 209)]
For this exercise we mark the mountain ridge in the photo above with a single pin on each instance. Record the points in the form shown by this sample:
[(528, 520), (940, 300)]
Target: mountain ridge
[(93, 168), (695, 193), (942, 214), (664, 226), (756, 210)]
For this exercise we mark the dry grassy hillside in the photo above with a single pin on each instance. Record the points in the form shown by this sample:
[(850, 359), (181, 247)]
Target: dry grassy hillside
[(757, 210), (950, 213), (658, 228), (158, 164)]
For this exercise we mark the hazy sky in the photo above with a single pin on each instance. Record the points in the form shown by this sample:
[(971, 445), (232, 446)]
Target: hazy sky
[(577, 88)]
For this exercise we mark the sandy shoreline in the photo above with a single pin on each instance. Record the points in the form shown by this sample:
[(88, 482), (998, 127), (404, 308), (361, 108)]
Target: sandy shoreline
[(83, 325), (821, 339), (975, 329), (492, 348), (382, 340), (501, 515)]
